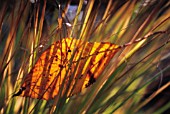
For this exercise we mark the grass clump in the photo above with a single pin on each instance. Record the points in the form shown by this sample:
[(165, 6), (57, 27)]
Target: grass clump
[(137, 75)]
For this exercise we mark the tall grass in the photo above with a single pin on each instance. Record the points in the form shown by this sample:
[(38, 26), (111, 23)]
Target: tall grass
[(26, 29)]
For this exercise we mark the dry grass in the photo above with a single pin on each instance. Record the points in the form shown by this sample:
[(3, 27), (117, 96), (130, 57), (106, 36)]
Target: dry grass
[(26, 29)]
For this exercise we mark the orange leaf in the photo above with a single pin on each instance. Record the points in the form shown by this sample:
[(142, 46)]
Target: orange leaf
[(71, 62)]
